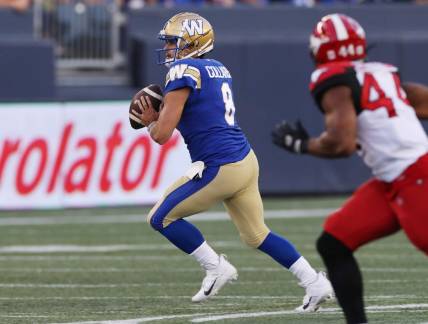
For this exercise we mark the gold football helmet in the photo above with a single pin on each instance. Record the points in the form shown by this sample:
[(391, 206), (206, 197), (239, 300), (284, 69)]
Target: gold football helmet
[(192, 35)]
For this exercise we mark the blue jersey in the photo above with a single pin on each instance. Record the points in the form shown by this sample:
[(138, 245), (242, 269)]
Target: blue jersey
[(208, 123)]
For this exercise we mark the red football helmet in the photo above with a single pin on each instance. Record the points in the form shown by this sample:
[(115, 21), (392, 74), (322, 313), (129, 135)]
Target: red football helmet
[(337, 38)]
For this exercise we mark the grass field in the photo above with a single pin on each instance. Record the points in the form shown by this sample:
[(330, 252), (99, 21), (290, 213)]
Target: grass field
[(108, 266)]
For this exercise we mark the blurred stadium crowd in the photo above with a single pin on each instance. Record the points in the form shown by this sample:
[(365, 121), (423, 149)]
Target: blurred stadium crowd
[(23, 5), (90, 33), (98, 50)]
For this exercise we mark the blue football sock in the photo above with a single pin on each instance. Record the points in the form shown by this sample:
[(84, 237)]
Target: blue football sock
[(280, 249), (183, 235)]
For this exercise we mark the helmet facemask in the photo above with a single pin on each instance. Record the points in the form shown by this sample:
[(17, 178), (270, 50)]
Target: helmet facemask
[(168, 55)]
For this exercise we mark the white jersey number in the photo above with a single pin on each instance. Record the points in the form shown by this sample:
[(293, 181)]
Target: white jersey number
[(229, 105)]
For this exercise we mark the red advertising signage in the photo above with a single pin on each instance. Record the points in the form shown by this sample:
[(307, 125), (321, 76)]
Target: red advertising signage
[(81, 154)]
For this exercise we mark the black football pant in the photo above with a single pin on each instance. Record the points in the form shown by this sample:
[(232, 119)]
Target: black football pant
[(345, 276)]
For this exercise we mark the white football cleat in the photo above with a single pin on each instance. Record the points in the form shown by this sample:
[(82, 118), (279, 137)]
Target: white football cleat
[(317, 292), (215, 279)]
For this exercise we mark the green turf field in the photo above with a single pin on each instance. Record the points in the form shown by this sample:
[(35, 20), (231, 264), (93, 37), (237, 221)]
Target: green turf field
[(108, 266)]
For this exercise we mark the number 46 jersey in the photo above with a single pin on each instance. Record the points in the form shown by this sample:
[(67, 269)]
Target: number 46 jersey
[(208, 123), (389, 135)]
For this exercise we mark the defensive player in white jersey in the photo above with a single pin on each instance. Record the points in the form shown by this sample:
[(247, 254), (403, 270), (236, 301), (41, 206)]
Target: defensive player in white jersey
[(198, 101), (366, 110)]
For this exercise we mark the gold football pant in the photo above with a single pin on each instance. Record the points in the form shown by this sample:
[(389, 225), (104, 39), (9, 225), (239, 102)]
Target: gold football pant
[(234, 184)]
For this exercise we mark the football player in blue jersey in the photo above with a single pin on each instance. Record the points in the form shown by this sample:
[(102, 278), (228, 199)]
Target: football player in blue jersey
[(198, 101)]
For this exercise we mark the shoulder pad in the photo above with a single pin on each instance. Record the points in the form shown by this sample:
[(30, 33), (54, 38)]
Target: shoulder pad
[(332, 75), (326, 71), (183, 70)]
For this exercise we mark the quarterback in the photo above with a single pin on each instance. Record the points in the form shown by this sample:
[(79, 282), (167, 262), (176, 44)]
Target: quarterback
[(366, 109), (198, 101)]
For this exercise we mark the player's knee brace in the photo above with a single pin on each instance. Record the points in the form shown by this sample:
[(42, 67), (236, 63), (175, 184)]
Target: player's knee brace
[(330, 247)]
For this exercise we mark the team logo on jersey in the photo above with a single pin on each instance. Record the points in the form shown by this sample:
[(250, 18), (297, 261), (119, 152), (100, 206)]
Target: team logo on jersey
[(177, 71), (184, 70), (193, 26)]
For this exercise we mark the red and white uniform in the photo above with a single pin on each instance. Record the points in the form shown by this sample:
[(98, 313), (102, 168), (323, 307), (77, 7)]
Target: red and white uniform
[(389, 134), (393, 144)]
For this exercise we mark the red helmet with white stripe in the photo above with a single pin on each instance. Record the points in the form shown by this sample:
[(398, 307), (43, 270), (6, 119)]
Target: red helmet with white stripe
[(337, 38)]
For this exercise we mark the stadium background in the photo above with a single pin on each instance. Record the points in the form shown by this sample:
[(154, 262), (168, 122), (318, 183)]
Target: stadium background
[(265, 50)]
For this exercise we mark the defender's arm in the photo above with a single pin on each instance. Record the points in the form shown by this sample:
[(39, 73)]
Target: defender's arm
[(418, 97), (340, 135), (173, 105)]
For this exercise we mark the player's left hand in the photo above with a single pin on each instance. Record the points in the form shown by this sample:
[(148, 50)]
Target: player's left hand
[(293, 138), (149, 114)]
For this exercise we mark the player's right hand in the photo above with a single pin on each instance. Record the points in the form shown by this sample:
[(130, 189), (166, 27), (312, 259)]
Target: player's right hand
[(149, 114), (293, 138)]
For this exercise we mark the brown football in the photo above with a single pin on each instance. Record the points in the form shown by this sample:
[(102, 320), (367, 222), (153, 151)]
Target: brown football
[(154, 92)]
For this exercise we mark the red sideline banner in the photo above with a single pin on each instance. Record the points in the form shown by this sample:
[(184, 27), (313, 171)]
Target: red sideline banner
[(57, 155)]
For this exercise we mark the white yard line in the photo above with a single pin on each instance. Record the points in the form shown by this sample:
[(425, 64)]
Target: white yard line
[(100, 248), (404, 296), (124, 285), (169, 284), (88, 258), (139, 257), (394, 307), (201, 318), (136, 320), (241, 315), (163, 284), (67, 286), (279, 269), (78, 298), (72, 248), (81, 248), (122, 219), (283, 297), (185, 269), (369, 309), (26, 316), (404, 270), (396, 280)]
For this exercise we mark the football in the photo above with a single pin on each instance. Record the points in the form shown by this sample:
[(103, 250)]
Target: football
[(154, 93)]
